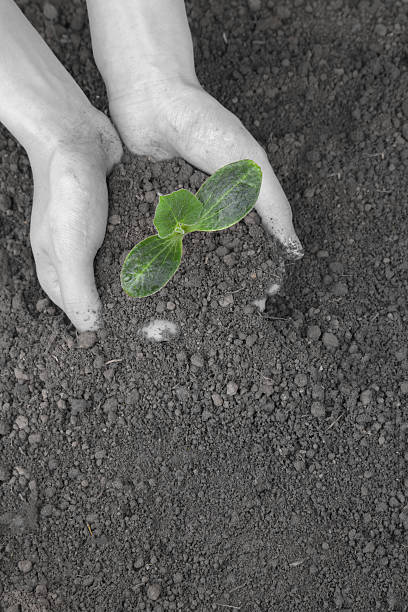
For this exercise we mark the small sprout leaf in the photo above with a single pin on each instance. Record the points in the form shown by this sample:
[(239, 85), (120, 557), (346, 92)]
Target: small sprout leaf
[(151, 264), (228, 195), (223, 200), (175, 211)]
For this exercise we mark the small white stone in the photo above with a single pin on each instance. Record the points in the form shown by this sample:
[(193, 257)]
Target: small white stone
[(380, 29), (160, 330), (232, 388), (274, 289), (34, 438), (255, 5), (317, 409), (25, 566), (217, 399), (404, 387), (153, 591), (260, 304), (365, 397), (20, 375), (226, 300), (197, 360), (42, 304), (50, 12), (114, 219), (21, 471), (21, 421)]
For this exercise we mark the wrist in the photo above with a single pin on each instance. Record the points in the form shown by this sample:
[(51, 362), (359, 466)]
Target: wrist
[(138, 41), (73, 130), (150, 86), (50, 123), (144, 78)]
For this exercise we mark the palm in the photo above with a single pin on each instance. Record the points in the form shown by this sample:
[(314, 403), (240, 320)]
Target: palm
[(187, 122)]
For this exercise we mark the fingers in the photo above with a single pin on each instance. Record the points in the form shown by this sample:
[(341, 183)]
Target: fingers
[(80, 297), (76, 231), (210, 136), (72, 288), (276, 214)]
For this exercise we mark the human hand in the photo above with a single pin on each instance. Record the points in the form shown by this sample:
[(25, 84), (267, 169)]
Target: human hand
[(173, 119), (68, 224), (210, 136)]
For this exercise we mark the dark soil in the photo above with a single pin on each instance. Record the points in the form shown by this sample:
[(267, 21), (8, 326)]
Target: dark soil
[(253, 462)]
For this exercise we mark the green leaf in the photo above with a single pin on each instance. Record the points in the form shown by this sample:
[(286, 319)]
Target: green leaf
[(176, 210), (151, 264), (228, 195)]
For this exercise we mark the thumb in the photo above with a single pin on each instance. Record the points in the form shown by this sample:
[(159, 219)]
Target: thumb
[(80, 297), (276, 214)]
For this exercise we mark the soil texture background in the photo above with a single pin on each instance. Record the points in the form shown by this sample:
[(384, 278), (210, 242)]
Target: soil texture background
[(250, 461)]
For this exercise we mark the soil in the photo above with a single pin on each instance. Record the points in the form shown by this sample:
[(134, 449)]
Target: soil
[(252, 461)]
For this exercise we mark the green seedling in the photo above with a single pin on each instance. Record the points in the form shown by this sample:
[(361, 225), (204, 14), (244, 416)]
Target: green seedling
[(223, 199)]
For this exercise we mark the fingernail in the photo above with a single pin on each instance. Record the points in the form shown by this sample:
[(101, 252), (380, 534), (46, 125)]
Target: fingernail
[(294, 249), (89, 320)]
